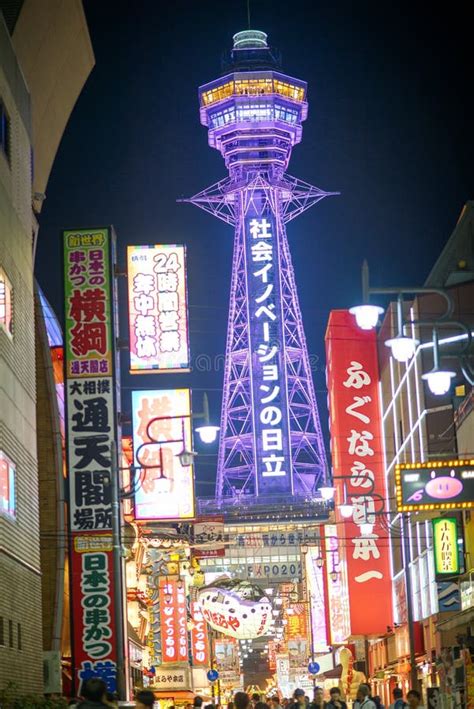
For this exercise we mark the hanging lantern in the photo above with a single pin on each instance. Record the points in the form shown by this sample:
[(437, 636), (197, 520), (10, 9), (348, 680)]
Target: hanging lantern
[(236, 608)]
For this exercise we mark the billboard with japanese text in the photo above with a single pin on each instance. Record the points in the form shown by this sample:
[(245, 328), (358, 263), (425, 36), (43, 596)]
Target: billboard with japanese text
[(358, 464), (88, 303), (271, 425), (161, 422), (173, 620), (94, 641), (91, 431), (337, 587), (208, 537), (89, 376), (199, 637), (157, 305), (315, 572), (446, 547), (435, 485)]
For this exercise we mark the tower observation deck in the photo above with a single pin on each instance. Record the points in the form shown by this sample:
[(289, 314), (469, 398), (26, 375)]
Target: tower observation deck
[(271, 450)]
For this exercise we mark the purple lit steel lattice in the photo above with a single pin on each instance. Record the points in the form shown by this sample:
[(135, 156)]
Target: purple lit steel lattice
[(254, 115)]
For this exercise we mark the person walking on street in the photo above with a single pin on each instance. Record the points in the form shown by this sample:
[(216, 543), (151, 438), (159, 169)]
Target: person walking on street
[(335, 701), (414, 699), (318, 699), (363, 700), (94, 693), (299, 700), (398, 701)]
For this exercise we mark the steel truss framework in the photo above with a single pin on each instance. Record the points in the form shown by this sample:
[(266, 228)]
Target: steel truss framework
[(287, 197)]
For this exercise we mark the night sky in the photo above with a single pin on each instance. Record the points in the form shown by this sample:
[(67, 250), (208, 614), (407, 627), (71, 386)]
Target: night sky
[(389, 126)]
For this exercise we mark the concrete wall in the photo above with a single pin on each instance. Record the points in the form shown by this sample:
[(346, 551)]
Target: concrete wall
[(20, 576)]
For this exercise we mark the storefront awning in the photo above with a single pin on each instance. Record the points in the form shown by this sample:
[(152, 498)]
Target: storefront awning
[(456, 620), (170, 694)]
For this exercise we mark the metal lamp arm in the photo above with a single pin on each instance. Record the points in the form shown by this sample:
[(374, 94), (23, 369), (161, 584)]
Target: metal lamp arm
[(367, 290)]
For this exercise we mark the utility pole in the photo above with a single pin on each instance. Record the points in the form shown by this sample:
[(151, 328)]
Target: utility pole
[(408, 588), (117, 575)]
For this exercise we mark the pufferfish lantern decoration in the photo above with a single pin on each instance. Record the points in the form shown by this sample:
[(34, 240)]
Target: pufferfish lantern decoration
[(236, 608)]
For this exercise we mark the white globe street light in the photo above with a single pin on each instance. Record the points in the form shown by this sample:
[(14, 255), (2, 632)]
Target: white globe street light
[(439, 380), (366, 315), (207, 433), (327, 493), (346, 510), (403, 348)]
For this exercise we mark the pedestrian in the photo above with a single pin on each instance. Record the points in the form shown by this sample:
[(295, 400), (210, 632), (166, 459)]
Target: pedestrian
[(93, 691), (299, 701), (363, 700), (111, 699), (261, 705), (318, 699), (255, 699), (145, 699), (335, 701), (241, 700), (398, 701), (197, 703), (230, 705), (378, 702), (414, 699), (275, 702)]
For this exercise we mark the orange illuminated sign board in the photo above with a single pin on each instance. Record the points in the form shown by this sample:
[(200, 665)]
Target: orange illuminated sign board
[(436, 485), (157, 307)]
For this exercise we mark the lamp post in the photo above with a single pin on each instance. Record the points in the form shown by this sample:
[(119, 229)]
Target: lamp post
[(207, 434), (403, 347), (406, 567)]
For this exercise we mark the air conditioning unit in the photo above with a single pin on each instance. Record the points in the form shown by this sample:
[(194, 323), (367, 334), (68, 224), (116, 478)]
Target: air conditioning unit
[(52, 675)]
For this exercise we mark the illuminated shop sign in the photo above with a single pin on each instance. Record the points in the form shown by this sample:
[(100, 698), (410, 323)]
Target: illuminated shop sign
[(161, 431), (273, 460), (157, 306), (436, 485), (359, 474), (446, 549)]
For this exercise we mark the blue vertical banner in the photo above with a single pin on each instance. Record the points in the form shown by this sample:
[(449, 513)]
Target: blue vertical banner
[(272, 444)]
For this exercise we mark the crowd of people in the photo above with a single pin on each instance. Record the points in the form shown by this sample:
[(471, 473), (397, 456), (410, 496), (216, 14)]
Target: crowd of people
[(95, 696)]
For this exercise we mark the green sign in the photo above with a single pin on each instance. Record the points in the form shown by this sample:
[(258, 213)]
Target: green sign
[(446, 551), (88, 303)]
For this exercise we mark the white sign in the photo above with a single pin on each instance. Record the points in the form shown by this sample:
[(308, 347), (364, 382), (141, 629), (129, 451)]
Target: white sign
[(172, 677)]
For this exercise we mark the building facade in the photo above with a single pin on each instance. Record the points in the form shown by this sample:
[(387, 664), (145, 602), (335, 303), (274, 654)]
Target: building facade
[(418, 426), (45, 58)]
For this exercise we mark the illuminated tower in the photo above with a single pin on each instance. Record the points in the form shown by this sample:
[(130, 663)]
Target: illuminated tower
[(271, 446)]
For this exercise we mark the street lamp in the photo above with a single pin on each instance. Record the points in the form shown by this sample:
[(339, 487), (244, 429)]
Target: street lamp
[(402, 346)]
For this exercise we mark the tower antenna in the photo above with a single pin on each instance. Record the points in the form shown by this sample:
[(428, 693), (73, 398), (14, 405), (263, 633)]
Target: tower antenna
[(248, 13)]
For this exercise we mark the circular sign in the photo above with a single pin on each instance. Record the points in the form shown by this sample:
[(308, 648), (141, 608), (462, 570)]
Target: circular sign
[(212, 675), (313, 668)]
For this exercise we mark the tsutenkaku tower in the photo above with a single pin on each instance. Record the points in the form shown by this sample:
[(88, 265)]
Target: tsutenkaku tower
[(271, 445)]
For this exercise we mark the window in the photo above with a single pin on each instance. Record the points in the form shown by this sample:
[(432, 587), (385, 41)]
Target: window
[(2, 632), (19, 636), (4, 131), (7, 486), (293, 92), (6, 315), (218, 93), (10, 633)]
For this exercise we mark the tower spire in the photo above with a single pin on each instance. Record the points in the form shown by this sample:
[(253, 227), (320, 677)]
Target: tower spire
[(271, 445)]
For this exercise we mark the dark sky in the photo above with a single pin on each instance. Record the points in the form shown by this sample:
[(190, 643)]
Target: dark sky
[(389, 126)]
